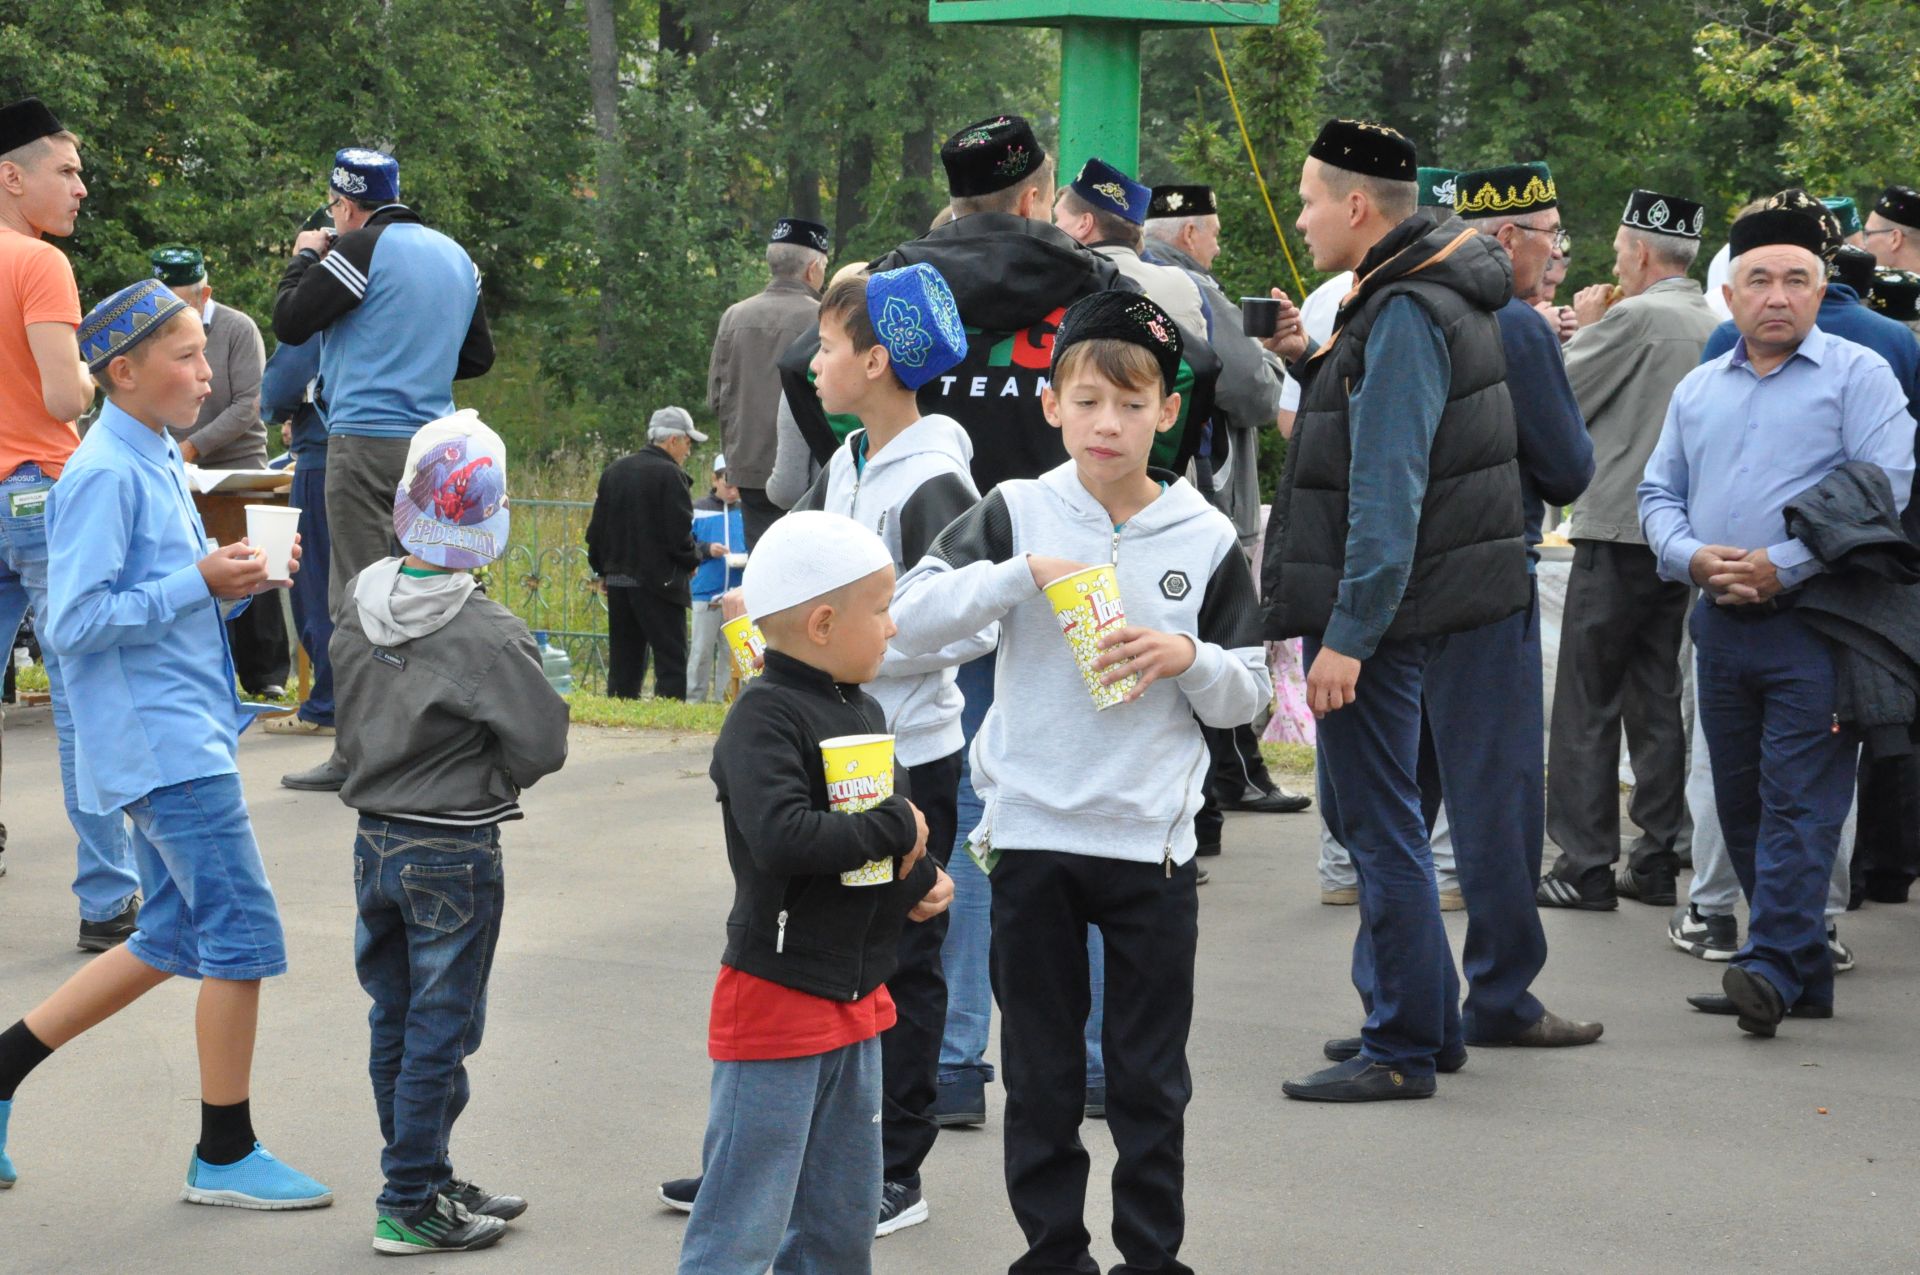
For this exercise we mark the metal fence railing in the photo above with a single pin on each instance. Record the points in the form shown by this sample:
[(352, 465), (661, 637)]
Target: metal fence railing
[(544, 579)]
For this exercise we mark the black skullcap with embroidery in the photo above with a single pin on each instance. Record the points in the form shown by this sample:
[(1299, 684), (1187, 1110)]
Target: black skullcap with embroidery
[(1121, 316), (1769, 227), (1901, 205), (1854, 267), (1797, 199), (1372, 150), (27, 120), (1664, 214), (990, 155), (1896, 294), (1505, 190), (1182, 201), (798, 230)]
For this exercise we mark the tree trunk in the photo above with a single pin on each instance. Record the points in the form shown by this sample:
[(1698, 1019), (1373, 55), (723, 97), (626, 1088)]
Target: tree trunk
[(856, 175), (919, 199), (603, 77)]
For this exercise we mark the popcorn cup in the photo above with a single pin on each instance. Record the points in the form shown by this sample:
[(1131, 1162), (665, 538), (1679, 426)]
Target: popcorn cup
[(860, 777), (745, 642), (1087, 604)]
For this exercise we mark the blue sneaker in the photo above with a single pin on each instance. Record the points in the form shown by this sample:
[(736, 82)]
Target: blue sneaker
[(257, 1182), (7, 1175)]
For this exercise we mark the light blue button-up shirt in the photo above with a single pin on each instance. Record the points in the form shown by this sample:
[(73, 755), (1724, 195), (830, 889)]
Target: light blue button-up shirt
[(149, 678), (1738, 447)]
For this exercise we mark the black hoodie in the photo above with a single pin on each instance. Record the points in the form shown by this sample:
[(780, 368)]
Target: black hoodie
[(1012, 279)]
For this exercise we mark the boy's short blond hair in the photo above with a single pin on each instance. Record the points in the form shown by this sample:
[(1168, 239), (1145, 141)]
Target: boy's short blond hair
[(1119, 362)]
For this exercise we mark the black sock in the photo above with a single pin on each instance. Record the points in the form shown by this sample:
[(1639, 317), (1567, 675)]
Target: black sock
[(20, 1052), (226, 1133)]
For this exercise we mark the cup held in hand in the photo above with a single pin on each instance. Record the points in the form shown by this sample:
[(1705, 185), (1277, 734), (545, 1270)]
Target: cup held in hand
[(860, 777), (270, 530), (745, 643), (1087, 604), (1259, 316)]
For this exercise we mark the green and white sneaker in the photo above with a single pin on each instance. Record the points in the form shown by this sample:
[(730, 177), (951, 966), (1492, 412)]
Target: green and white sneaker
[(448, 1229)]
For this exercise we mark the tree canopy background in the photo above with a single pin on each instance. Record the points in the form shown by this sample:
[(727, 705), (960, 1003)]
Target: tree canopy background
[(613, 165)]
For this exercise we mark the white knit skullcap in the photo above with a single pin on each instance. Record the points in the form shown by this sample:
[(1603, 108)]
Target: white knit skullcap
[(805, 555)]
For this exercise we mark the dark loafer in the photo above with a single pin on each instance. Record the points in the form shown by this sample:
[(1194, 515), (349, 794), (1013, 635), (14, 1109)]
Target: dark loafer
[(1349, 1047), (1754, 999), (1358, 1080), (1551, 1032), (1717, 1003), (1277, 802)]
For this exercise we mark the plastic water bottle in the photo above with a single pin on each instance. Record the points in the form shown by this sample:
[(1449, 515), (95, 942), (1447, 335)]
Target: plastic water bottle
[(556, 664)]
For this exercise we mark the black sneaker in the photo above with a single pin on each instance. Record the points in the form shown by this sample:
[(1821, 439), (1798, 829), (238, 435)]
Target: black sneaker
[(477, 1200), (1655, 884), (101, 936), (1268, 801), (901, 1206), (1594, 892), (679, 1194), (1711, 938), (447, 1229), (1842, 954)]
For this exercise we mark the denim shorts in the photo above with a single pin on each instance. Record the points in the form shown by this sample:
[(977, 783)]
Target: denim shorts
[(209, 910)]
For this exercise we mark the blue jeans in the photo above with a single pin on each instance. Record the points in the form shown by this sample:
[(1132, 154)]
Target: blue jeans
[(106, 880), (792, 1177), (964, 957), (311, 620), (430, 900), (210, 912), (1783, 779)]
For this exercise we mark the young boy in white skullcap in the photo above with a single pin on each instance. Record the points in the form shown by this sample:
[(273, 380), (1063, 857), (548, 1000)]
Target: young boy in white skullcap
[(792, 1150), (444, 716)]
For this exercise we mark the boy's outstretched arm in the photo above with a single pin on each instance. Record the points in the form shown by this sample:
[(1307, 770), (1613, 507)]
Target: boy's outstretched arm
[(514, 700), (968, 580), (1229, 681), (925, 514)]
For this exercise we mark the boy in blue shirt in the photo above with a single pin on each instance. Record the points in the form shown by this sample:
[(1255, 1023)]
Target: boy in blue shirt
[(719, 531), (133, 602)]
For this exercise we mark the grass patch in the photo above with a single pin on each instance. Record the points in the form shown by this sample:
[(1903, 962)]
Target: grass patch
[(1293, 759), (31, 678), (647, 714)]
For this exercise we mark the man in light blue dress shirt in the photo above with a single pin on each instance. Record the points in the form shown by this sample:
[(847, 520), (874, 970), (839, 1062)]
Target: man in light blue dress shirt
[(1745, 434)]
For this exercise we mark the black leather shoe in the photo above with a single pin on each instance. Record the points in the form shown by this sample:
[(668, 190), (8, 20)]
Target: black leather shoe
[(1276, 802), (1550, 1031), (1358, 1080), (1754, 999), (1718, 1003), (1656, 884), (100, 936), (1349, 1047)]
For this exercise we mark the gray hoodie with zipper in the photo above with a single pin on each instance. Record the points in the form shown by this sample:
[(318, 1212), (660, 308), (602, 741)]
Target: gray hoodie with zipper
[(1053, 772), (920, 482), (444, 711)]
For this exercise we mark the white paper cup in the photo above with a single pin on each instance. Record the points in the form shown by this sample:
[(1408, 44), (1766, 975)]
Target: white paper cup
[(270, 529)]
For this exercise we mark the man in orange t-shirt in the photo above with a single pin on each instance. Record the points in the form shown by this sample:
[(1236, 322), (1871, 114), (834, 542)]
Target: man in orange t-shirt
[(44, 387)]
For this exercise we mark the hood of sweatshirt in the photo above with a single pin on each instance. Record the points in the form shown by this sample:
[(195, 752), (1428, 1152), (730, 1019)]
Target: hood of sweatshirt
[(396, 608), (935, 434)]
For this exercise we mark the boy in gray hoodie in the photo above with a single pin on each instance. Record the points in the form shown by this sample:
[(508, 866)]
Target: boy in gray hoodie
[(444, 716), (1089, 812)]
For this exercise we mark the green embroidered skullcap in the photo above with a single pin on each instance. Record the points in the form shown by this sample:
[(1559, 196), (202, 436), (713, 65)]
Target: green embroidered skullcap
[(177, 265)]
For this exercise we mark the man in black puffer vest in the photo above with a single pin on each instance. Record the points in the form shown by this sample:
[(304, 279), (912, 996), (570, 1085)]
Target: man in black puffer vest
[(1398, 521)]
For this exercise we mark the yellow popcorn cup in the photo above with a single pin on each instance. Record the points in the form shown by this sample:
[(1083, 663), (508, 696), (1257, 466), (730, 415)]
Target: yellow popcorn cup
[(744, 643), (860, 777), (1087, 604)]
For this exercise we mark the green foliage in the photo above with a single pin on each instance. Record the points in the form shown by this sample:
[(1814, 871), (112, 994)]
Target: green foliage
[(647, 714)]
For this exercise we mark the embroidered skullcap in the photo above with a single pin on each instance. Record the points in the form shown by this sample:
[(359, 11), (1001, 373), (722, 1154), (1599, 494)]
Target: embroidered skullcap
[(450, 507), (1664, 214), (915, 318), (1796, 199), (124, 320), (1769, 227), (1182, 201), (1900, 204), (368, 175), (1121, 316), (177, 265), (1437, 186), (1855, 268), (1846, 212), (1505, 191), (1896, 294), (27, 120), (1372, 150), (798, 230), (1108, 189), (990, 155), (806, 555)]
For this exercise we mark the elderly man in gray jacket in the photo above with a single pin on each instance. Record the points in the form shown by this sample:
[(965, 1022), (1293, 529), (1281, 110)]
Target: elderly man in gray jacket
[(1620, 638)]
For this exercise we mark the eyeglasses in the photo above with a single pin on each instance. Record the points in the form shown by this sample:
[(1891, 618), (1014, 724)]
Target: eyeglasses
[(334, 203), (1562, 241), (1884, 230)]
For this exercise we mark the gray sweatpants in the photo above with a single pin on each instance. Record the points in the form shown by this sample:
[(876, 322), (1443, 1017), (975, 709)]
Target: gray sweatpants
[(362, 474), (709, 665)]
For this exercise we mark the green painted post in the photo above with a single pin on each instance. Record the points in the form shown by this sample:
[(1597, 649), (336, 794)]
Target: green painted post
[(1099, 95)]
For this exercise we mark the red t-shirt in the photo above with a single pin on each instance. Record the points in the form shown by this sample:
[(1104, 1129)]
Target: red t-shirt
[(754, 1020)]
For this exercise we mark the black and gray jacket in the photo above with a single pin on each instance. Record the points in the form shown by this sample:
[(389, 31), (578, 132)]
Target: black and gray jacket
[(792, 921), (445, 713), (1054, 772)]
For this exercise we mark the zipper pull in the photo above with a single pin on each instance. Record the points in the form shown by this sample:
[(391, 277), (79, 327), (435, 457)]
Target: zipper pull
[(1166, 857), (780, 940), (1113, 559), (1836, 723)]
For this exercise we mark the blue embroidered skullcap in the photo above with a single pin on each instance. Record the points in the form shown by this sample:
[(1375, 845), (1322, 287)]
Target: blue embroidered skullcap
[(1107, 188), (915, 318), (124, 320), (365, 174)]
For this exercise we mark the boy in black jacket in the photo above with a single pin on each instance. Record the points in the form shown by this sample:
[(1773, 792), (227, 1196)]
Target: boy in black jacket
[(792, 1150)]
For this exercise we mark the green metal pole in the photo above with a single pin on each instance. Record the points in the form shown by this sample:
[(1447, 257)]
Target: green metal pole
[(1099, 95)]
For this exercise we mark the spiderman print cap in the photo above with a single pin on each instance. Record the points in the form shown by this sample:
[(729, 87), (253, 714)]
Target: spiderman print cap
[(450, 508)]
